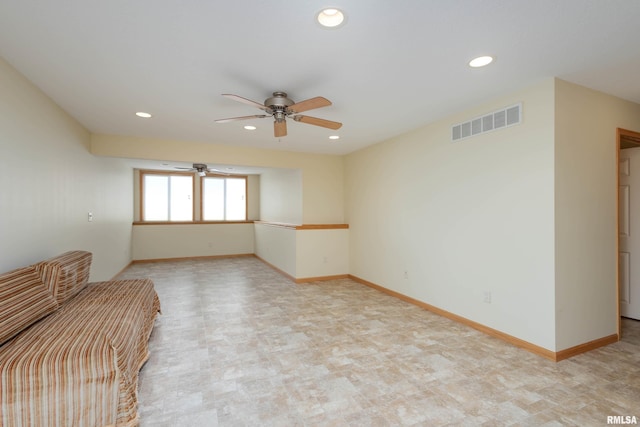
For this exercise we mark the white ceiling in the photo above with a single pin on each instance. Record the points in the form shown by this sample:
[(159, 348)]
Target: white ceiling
[(395, 65)]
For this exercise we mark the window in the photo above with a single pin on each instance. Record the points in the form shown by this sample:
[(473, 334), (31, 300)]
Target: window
[(181, 197), (224, 198), (167, 196)]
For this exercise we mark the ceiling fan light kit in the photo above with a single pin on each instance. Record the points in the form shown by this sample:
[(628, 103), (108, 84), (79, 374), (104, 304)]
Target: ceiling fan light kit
[(280, 107)]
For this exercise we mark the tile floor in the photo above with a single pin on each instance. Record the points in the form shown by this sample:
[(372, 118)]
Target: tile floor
[(238, 344)]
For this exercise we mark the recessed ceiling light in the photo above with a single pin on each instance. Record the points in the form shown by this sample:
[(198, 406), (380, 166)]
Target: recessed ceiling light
[(250, 127), (143, 115), (334, 137), (331, 18), (480, 61)]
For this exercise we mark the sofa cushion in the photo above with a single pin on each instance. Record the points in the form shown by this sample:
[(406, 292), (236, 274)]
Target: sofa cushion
[(24, 299), (65, 275)]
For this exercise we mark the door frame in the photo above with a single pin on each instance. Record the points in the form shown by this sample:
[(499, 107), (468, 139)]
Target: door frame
[(629, 137)]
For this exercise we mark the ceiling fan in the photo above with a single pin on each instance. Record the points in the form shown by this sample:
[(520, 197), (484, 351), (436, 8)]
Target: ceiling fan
[(202, 169), (280, 107)]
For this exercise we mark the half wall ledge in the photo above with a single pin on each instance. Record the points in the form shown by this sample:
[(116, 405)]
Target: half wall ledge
[(304, 226)]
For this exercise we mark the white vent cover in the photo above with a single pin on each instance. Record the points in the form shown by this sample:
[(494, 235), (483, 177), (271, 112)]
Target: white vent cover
[(503, 118)]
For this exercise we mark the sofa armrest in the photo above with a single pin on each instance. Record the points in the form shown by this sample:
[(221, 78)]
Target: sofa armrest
[(24, 299), (65, 275)]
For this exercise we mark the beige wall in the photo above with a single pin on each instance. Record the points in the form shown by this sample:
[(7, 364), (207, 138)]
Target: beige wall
[(277, 246), (464, 218), (191, 240), (322, 253), (49, 182), (322, 175), (585, 213), (253, 197), (281, 196)]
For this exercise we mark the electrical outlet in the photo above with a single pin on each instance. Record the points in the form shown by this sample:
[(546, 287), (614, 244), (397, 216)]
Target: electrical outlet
[(487, 297), (325, 260), (406, 274), (90, 216)]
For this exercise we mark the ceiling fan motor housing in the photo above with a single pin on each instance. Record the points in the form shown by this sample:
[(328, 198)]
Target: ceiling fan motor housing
[(278, 104)]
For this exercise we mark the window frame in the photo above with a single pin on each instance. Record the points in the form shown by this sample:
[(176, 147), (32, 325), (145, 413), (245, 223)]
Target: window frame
[(143, 173), (246, 196), (197, 210)]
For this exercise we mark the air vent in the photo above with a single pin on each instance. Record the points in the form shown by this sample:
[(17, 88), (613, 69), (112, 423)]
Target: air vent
[(506, 117)]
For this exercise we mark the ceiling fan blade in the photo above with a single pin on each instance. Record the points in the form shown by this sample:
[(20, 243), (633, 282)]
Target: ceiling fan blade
[(318, 122), (218, 171), (233, 119), (245, 101), (279, 128), (188, 169), (310, 104)]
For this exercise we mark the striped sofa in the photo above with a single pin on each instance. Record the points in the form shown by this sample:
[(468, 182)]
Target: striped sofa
[(70, 350)]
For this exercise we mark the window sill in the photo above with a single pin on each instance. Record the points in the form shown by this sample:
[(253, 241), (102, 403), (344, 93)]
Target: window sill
[(190, 222)]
